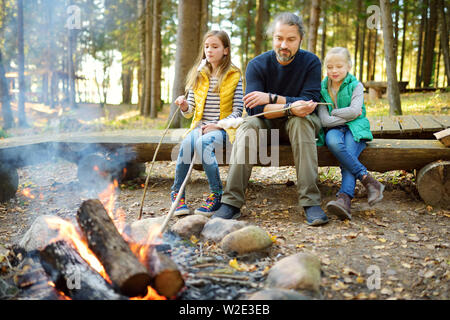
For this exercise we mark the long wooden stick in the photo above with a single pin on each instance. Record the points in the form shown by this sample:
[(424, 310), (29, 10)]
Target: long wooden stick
[(153, 162), (273, 111)]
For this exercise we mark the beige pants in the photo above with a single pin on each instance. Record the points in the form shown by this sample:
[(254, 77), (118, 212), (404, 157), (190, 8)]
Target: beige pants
[(300, 133)]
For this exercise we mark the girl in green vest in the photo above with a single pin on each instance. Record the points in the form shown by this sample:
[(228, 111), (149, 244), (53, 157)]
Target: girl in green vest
[(215, 91), (347, 130)]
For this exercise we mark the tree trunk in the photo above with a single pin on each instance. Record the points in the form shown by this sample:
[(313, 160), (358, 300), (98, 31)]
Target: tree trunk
[(259, 23), (156, 60), (361, 53), (369, 55), (358, 20), (121, 265), (5, 98), (148, 57), (324, 36), (443, 29), (393, 89), (405, 25), (374, 59), (141, 71), (419, 50), (313, 25), (188, 44), (21, 65), (127, 80), (430, 41)]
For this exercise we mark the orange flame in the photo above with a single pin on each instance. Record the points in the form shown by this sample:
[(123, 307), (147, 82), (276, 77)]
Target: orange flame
[(108, 199), (151, 295), (68, 232)]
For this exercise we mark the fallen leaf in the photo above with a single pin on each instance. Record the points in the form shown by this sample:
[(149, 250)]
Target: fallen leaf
[(383, 240), (406, 265), (386, 291), (429, 274), (360, 280), (194, 239)]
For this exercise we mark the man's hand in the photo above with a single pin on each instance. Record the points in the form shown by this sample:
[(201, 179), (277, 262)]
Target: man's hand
[(209, 127), (303, 108), (255, 98), (182, 102)]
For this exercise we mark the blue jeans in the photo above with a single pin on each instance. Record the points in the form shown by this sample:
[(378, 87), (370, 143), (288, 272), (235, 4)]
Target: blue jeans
[(204, 145), (343, 146)]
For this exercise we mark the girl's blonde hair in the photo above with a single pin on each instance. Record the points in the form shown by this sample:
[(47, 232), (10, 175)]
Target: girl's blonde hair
[(345, 54), (340, 51), (193, 76)]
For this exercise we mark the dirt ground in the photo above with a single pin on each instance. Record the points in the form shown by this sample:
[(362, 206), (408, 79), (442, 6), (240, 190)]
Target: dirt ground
[(397, 249)]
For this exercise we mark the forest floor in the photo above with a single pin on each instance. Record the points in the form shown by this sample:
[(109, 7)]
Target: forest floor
[(397, 249)]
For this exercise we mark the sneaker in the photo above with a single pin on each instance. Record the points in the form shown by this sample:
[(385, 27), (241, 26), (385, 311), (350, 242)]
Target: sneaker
[(182, 208), (210, 206), (227, 211), (315, 216)]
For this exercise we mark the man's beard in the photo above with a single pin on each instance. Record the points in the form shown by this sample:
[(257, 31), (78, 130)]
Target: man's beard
[(284, 58)]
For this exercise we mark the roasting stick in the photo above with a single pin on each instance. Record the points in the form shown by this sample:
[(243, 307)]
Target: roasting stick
[(153, 162), (180, 192), (236, 122)]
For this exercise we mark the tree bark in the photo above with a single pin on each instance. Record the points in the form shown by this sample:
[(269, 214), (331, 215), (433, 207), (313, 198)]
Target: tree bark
[(121, 265), (430, 41), (72, 275), (166, 277), (21, 65), (393, 91), (5, 98), (148, 57), (419, 50), (313, 25), (361, 54), (141, 71), (156, 60), (358, 20), (259, 22), (443, 29), (405, 25), (188, 44)]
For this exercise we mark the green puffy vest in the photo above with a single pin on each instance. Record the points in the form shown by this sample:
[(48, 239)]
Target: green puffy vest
[(359, 127)]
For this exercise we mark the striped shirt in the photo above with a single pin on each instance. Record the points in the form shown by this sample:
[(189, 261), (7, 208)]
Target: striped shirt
[(211, 113)]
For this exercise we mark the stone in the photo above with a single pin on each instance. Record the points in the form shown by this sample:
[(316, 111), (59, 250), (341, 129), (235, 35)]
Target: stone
[(139, 230), (246, 240), (277, 294), (216, 229), (300, 271), (190, 226), (40, 234)]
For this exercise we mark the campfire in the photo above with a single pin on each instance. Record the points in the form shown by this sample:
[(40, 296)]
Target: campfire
[(95, 259)]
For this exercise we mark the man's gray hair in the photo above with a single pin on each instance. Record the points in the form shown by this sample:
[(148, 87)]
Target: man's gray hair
[(288, 18)]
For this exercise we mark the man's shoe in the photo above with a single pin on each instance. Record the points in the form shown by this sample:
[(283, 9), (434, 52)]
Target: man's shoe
[(315, 216), (210, 206), (340, 207), (374, 189), (182, 209), (227, 211)]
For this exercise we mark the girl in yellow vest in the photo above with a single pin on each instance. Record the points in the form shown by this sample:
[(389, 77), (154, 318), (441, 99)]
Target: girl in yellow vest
[(215, 92)]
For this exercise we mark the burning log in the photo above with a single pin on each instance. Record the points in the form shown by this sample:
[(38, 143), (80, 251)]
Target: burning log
[(73, 275), (121, 265), (9, 182), (166, 278)]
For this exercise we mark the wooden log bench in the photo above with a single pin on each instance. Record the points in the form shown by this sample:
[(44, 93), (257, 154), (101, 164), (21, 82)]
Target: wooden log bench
[(113, 151), (378, 88)]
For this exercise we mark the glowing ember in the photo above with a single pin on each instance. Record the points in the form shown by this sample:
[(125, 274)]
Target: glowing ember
[(27, 193), (68, 232)]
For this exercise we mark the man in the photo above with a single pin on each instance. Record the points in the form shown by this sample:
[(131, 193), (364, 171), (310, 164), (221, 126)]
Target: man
[(275, 80)]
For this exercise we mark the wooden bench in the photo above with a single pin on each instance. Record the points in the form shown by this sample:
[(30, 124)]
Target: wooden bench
[(409, 126), (378, 88), (113, 151)]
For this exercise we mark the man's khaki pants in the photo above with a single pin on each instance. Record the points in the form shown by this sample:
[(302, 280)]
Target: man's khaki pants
[(300, 132)]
